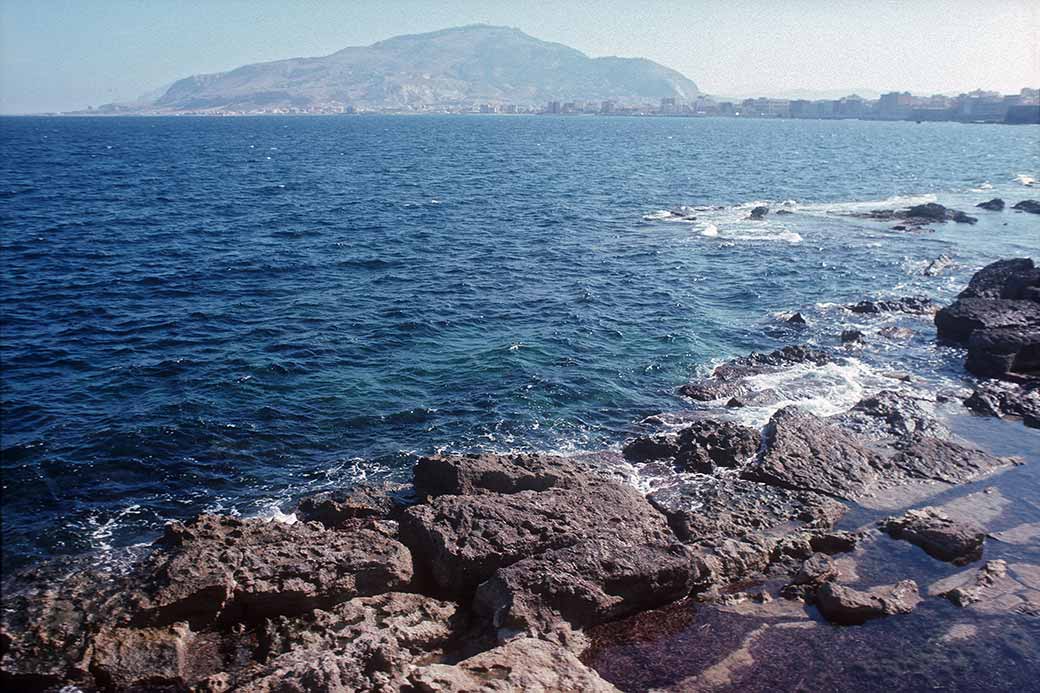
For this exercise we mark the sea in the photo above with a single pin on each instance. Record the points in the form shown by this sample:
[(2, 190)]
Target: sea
[(225, 314)]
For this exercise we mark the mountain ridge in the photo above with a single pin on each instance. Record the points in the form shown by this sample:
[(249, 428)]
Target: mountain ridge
[(473, 64)]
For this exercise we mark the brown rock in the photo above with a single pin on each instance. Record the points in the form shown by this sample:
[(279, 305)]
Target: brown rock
[(168, 656), (926, 457), (473, 474), (335, 509), (805, 453), (957, 542), (524, 665), (847, 606), (707, 444)]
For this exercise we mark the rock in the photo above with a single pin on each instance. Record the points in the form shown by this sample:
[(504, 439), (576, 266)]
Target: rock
[(247, 570), (902, 333), (707, 444), (931, 210), (891, 414), (525, 664), (852, 337), (1001, 399), (831, 543), (847, 606), (734, 403), (335, 509), (908, 304), (922, 456), (1031, 206), (994, 205), (365, 644), (805, 453), (649, 448), (989, 575), (957, 542), (49, 614), (936, 266), (471, 474), (783, 212), (727, 380), (463, 540), (1005, 351), (127, 657), (596, 580), (957, 321), (708, 510), (1002, 279), (962, 218), (761, 211), (797, 319), (816, 570)]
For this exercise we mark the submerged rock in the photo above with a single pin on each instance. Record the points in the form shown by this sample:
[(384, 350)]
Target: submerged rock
[(921, 456), (852, 337), (1031, 206), (727, 380), (847, 606), (962, 218), (797, 319), (936, 266), (957, 542), (759, 212), (994, 205), (908, 304)]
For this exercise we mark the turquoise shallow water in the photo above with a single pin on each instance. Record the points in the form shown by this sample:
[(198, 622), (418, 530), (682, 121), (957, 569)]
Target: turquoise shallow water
[(222, 314)]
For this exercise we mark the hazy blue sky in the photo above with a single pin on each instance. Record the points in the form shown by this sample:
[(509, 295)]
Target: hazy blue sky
[(65, 54)]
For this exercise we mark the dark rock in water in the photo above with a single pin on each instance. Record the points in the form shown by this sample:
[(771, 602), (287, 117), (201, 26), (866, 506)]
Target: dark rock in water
[(1031, 206), (759, 212), (598, 579), (922, 456), (734, 403), (962, 218), (706, 510), (524, 664), (1004, 351), (957, 321), (797, 319), (247, 570), (727, 378), (364, 644), (649, 448), (1002, 399), (439, 475), (891, 414), (957, 542), (852, 337), (989, 575), (707, 444), (783, 212), (463, 540), (902, 333), (908, 304), (1003, 279), (805, 453), (847, 606), (336, 509), (930, 210), (936, 266), (994, 205)]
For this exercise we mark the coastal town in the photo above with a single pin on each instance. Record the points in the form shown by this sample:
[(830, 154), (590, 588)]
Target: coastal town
[(977, 106)]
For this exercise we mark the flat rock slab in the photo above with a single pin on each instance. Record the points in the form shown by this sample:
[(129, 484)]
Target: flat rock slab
[(730, 507), (957, 542), (247, 570), (847, 606), (594, 581), (997, 588), (804, 452), (525, 665), (925, 457), (440, 475), (463, 540)]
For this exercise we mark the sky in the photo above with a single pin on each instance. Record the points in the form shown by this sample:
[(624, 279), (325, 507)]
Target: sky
[(68, 54)]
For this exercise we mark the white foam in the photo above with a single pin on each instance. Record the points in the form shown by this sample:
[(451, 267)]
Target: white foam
[(710, 230), (1025, 179)]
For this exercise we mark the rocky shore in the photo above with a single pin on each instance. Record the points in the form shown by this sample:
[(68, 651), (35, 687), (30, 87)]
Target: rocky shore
[(528, 572)]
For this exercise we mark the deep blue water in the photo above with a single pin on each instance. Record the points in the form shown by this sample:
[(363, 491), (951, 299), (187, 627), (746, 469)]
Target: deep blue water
[(224, 313)]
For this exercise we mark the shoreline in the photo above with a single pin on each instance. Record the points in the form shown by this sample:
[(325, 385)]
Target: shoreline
[(532, 564)]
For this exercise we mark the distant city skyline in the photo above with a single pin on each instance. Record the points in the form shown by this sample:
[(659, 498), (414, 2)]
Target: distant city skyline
[(57, 55)]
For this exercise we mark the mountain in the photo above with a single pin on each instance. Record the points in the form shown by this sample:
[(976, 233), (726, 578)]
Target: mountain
[(453, 67)]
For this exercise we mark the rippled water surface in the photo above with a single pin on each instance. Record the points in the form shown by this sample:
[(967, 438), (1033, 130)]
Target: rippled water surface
[(225, 313)]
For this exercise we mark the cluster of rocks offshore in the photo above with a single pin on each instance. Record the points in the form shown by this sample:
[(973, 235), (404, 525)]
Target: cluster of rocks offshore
[(486, 571)]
